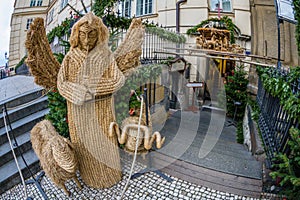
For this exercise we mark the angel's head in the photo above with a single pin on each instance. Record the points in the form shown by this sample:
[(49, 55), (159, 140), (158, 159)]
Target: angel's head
[(88, 32)]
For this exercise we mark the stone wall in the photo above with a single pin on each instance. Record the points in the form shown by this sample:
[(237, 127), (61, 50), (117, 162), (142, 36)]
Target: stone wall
[(265, 36)]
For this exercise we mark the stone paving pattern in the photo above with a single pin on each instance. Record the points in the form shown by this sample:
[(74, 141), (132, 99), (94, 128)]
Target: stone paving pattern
[(148, 186)]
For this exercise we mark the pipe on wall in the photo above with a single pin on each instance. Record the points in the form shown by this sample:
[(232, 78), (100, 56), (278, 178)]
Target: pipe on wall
[(178, 14)]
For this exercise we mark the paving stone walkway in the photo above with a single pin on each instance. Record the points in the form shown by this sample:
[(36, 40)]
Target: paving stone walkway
[(149, 186)]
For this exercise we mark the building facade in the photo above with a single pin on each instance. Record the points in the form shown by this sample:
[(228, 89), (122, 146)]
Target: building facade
[(177, 15), (24, 13), (265, 34)]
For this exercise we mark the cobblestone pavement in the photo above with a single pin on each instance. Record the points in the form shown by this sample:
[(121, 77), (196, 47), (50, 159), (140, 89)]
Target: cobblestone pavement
[(149, 186)]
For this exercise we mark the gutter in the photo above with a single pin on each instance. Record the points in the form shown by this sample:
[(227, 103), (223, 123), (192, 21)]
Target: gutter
[(178, 14)]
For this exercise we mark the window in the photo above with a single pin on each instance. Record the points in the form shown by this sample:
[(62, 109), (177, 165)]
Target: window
[(144, 7), (32, 3), (125, 8), (39, 3), (50, 16), (29, 21), (63, 4), (223, 5)]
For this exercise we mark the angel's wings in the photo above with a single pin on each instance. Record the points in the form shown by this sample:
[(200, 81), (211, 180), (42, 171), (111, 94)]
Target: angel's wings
[(128, 53), (40, 59)]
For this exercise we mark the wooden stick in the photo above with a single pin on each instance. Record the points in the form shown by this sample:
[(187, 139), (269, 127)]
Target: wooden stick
[(217, 57)]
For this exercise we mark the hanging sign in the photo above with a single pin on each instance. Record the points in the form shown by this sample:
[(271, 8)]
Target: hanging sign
[(286, 10)]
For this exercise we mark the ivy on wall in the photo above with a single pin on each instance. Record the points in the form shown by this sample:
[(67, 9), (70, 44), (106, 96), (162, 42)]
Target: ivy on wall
[(229, 25)]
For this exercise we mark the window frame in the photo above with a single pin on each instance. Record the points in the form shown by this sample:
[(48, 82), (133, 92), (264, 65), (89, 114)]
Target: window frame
[(39, 3), (126, 10), (50, 16), (63, 4), (32, 3), (213, 8), (144, 7), (29, 21)]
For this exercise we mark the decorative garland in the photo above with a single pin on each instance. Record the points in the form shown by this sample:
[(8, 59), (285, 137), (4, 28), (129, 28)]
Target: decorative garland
[(60, 30), (226, 20), (279, 85), (165, 34)]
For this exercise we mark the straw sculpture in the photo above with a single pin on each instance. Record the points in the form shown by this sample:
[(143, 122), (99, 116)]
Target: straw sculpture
[(89, 75), (42, 64), (129, 134), (56, 154)]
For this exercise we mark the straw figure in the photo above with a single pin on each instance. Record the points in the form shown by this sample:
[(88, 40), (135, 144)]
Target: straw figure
[(129, 133), (56, 154), (89, 75)]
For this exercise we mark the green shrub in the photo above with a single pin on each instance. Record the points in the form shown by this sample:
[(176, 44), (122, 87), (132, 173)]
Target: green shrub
[(288, 167)]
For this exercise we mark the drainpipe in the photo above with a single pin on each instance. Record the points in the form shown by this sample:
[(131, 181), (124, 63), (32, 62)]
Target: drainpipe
[(178, 14)]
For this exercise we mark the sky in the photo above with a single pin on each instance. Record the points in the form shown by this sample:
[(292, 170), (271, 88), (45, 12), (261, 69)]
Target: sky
[(6, 9)]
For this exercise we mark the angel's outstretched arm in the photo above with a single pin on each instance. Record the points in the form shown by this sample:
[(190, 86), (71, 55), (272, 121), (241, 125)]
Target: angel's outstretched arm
[(128, 53), (73, 92), (43, 65)]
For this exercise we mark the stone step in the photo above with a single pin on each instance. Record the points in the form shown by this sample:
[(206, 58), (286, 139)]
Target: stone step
[(23, 125), (224, 182), (22, 98), (9, 175), (26, 109), (24, 145)]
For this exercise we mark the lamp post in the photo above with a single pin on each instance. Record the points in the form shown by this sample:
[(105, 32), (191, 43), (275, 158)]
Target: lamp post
[(278, 32)]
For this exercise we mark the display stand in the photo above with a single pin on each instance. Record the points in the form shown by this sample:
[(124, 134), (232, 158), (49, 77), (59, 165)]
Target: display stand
[(194, 85), (233, 122), (149, 167)]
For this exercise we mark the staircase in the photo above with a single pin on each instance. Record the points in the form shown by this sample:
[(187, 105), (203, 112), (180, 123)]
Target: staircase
[(24, 111)]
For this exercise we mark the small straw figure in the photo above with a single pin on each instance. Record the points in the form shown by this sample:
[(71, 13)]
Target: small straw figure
[(56, 154)]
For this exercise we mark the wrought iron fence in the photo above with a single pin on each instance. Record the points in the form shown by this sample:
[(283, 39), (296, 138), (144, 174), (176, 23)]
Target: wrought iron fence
[(275, 122)]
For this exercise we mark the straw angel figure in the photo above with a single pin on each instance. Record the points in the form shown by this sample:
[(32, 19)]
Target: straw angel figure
[(88, 77)]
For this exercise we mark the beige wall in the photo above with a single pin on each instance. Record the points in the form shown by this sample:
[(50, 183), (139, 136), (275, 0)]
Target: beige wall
[(22, 12), (265, 36), (61, 14)]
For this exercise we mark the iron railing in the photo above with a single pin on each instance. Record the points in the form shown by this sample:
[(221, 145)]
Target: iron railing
[(274, 122)]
